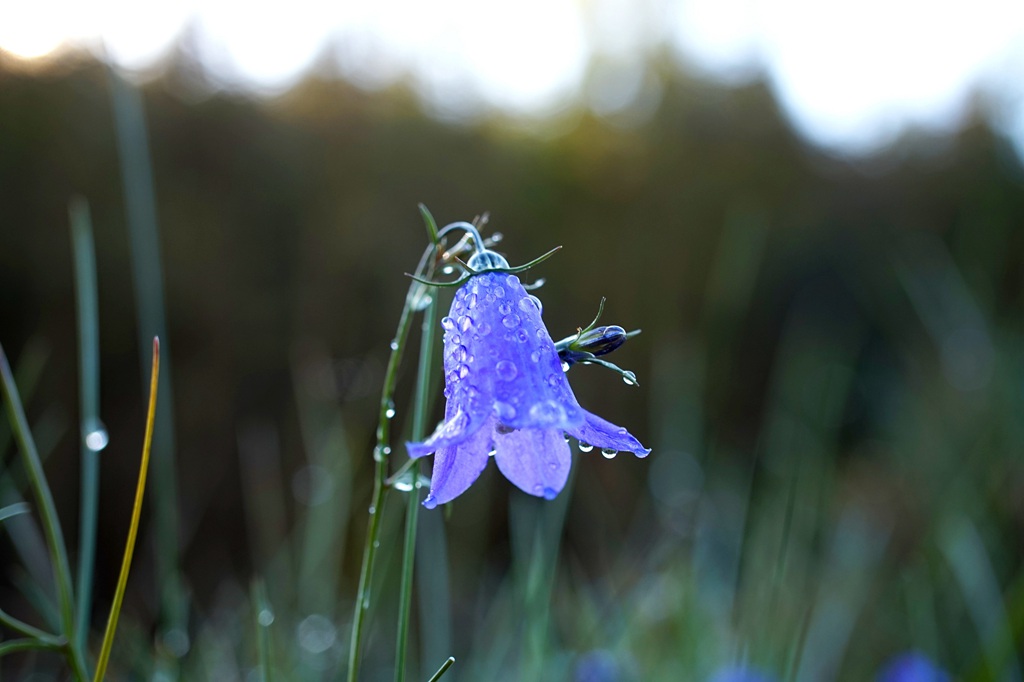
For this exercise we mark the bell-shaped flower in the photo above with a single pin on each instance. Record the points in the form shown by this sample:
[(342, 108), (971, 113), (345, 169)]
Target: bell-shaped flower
[(507, 395)]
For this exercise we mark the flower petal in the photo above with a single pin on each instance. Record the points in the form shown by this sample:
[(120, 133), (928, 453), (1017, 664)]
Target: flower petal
[(456, 467), (467, 384), (603, 434), (458, 427), (517, 357), (536, 460)]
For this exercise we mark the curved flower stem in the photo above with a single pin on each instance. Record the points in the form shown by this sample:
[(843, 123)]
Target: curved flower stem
[(47, 512), (380, 456), (419, 432)]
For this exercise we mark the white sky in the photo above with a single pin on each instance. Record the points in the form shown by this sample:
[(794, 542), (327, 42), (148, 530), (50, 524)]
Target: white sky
[(850, 74)]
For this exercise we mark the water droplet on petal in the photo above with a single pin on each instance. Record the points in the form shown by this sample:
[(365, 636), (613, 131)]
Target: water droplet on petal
[(522, 336), (550, 493), (492, 452), (504, 308), (483, 328), (510, 321), (462, 353), (430, 502), (463, 371), (512, 280), (526, 305), (552, 380), (465, 323), (608, 453), (585, 447), (471, 301), (541, 334), (505, 411), (499, 292), (547, 413), (506, 370), (565, 366), (535, 356)]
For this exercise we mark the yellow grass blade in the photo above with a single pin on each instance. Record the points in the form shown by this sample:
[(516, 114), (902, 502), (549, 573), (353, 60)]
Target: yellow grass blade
[(126, 562)]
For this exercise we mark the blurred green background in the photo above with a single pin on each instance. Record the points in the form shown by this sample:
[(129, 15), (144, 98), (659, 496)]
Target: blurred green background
[(831, 368)]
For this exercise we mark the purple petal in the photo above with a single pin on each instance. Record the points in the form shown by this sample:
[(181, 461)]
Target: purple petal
[(467, 384), (457, 467), (457, 428), (912, 666), (536, 460), (517, 357), (603, 434)]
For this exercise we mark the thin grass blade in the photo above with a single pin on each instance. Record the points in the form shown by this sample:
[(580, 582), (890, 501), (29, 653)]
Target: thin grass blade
[(133, 529)]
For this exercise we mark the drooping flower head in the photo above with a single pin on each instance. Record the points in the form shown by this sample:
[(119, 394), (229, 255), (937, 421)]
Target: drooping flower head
[(507, 393)]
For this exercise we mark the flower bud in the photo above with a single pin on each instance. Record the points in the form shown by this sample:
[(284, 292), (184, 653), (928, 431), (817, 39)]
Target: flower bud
[(591, 343)]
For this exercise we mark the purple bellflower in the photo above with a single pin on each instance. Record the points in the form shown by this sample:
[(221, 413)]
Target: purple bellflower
[(912, 666), (507, 393)]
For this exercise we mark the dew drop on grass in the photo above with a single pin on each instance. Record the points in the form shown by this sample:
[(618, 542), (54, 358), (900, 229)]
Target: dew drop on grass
[(95, 436), (389, 412), (316, 634), (265, 617)]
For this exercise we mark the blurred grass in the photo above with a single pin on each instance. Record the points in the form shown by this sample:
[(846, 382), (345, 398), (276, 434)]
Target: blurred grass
[(831, 374)]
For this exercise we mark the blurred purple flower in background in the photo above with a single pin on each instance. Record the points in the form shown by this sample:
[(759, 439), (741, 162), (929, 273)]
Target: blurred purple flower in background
[(507, 394), (740, 673), (912, 666)]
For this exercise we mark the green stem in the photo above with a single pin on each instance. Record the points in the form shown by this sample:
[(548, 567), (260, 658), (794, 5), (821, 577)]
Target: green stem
[(89, 394), (139, 195), (23, 628), (12, 646), (47, 511), (260, 608), (380, 456), (419, 432), (442, 670)]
